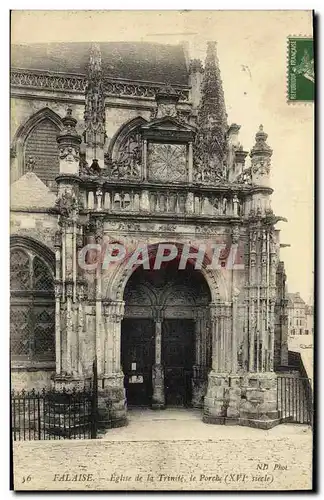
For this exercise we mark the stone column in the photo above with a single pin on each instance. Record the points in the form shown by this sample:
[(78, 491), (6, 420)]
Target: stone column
[(58, 298), (234, 390), (158, 399), (215, 401), (67, 299), (111, 392), (190, 162), (144, 159), (199, 377), (98, 235), (258, 407), (190, 203)]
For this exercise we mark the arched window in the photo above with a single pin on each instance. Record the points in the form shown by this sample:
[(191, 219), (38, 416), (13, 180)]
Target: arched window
[(34, 147), (41, 153), (32, 315)]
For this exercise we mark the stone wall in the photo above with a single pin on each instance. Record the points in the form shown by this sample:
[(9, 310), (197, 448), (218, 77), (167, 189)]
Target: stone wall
[(31, 379), (39, 226)]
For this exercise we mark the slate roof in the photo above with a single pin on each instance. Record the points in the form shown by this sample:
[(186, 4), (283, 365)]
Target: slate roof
[(128, 60), (295, 299)]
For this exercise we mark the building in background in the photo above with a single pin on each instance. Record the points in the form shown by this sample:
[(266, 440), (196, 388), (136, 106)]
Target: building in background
[(309, 326), (300, 316)]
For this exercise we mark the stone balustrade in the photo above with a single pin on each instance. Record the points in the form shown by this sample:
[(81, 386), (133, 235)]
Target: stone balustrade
[(141, 199)]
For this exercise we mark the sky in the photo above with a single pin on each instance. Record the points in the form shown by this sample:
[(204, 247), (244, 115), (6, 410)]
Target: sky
[(252, 53)]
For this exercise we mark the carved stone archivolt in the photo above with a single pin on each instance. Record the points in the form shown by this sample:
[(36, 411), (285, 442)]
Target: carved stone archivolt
[(165, 289)]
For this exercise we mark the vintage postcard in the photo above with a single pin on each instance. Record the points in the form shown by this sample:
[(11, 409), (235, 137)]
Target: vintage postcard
[(161, 258)]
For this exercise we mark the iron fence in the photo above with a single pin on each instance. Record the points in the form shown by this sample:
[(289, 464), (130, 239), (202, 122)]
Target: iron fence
[(295, 400), (52, 414)]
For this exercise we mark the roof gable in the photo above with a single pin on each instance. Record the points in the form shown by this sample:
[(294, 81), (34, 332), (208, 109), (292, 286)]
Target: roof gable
[(168, 129), (30, 192), (167, 123)]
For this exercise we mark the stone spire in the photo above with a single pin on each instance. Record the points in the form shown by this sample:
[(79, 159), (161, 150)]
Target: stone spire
[(94, 114), (212, 107), (210, 146)]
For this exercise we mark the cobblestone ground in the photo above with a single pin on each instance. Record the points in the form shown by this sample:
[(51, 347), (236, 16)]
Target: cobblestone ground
[(170, 450)]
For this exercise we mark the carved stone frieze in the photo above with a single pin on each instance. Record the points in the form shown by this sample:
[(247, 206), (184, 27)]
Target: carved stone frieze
[(166, 228), (206, 230), (125, 226)]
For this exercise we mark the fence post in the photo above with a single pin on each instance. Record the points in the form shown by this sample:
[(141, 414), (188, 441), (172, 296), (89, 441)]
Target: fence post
[(94, 400)]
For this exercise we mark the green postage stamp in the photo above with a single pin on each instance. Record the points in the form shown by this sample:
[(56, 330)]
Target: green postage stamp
[(301, 74)]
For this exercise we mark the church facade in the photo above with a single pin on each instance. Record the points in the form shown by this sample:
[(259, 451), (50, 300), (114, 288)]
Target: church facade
[(142, 235)]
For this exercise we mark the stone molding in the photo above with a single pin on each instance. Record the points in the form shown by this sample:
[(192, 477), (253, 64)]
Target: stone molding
[(77, 84)]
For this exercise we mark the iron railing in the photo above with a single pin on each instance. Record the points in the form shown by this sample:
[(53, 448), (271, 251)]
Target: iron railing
[(52, 414), (295, 400)]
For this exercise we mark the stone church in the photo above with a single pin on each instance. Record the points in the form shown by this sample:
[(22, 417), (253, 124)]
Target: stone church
[(128, 144)]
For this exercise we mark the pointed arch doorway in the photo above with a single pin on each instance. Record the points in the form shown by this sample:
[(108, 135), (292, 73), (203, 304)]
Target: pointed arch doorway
[(165, 337)]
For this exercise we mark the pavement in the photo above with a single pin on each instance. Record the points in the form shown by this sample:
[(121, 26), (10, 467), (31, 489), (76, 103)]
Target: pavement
[(169, 450)]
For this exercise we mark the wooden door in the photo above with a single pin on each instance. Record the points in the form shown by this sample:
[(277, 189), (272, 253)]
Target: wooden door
[(137, 358), (177, 358)]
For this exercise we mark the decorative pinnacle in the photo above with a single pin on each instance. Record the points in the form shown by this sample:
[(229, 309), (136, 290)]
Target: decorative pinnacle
[(167, 92), (212, 94), (196, 66), (210, 142), (68, 120), (261, 148), (69, 132), (94, 67)]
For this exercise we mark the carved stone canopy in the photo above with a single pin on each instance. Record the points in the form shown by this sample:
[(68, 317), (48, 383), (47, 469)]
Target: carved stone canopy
[(167, 129)]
